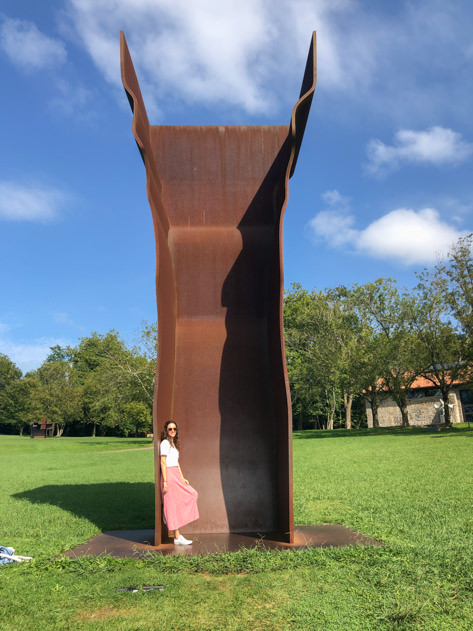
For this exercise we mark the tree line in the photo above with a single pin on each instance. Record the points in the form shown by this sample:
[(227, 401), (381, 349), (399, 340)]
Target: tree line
[(346, 346), (101, 385)]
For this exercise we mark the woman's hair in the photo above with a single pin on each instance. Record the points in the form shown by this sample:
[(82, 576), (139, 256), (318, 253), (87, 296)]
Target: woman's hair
[(164, 433)]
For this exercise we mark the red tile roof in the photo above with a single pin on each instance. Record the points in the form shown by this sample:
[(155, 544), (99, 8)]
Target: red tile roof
[(422, 382)]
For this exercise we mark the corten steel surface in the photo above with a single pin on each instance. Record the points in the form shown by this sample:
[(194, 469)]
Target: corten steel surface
[(217, 196), (139, 543)]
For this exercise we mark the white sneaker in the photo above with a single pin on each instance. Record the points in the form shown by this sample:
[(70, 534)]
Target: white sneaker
[(182, 541)]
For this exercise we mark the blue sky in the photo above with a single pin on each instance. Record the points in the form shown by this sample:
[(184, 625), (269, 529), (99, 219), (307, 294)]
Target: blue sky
[(383, 182)]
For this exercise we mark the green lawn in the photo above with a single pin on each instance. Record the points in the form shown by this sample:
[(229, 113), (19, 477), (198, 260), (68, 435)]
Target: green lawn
[(409, 488)]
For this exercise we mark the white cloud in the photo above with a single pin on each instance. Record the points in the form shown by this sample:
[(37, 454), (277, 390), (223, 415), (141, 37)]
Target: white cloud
[(408, 236), (29, 355), (63, 317), (250, 54), (23, 203), (437, 146), (335, 200), (404, 235), (334, 224), (334, 227), (244, 54), (28, 48)]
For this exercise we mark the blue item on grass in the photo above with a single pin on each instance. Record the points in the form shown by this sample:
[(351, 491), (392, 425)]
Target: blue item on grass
[(6, 555)]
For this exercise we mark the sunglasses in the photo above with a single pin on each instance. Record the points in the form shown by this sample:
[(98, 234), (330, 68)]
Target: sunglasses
[(172, 429)]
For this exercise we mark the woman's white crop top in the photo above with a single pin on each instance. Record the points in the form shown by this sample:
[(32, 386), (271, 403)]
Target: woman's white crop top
[(166, 449)]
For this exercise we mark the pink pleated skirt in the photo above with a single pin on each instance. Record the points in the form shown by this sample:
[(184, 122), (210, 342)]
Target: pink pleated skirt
[(180, 501)]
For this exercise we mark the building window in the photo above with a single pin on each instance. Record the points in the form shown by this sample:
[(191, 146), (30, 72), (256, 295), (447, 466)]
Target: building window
[(422, 393)]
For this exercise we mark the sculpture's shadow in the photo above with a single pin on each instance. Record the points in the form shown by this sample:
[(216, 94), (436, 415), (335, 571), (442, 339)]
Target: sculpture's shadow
[(252, 397), (110, 506)]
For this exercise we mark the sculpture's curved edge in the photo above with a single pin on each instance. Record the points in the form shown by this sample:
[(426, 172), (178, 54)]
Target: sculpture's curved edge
[(301, 109), (165, 281), (140, 124), (297, 126)]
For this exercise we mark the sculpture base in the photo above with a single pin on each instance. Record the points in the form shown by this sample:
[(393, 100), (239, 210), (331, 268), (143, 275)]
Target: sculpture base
[(138, 543)]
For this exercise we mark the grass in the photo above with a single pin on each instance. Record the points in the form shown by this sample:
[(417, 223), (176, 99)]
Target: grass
[(409, 488)]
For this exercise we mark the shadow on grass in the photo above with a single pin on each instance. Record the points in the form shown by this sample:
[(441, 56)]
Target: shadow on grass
[(452, 433), (384, 431), (110, 506)]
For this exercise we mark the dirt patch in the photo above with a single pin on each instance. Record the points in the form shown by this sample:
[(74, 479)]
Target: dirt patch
[(104, 613)]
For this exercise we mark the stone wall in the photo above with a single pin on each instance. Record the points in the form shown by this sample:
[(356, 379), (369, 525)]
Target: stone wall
[(421, 411)]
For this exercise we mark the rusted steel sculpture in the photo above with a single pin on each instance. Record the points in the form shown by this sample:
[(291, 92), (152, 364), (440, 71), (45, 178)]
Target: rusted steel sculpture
[(217, 195)]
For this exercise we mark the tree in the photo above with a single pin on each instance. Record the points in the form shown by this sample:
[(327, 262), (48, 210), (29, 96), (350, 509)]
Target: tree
[(459, 272), (54, 393), (372, 367), (113, 376), (392, 315), (444, 348), (353, 338), (302, 378), (101, 382), (331, 349), (9, 372), (12, 394), (60, 354), (364, 361), (139, 417), (312, 339), (149, 339)]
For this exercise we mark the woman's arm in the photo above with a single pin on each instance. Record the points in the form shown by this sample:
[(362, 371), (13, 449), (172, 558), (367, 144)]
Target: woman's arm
[(183, 478), (164, 473)]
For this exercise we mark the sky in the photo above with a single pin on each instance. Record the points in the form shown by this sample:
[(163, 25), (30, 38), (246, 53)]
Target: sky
[(383, 183)]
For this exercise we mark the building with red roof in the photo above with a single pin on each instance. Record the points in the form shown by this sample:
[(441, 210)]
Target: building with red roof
[(425, 405)]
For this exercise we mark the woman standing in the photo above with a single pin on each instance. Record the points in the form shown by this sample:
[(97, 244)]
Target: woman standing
[(179, 498)]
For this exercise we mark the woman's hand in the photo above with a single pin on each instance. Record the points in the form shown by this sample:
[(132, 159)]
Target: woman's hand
[(165, 487)]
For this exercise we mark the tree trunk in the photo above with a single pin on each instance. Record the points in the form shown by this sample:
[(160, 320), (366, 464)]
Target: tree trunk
[(21, 430), (374, 411), (371, 396), (332, 412), (404, 415), (330, 421), (446, 410), (347, 402), (401, 401), (94, 431)]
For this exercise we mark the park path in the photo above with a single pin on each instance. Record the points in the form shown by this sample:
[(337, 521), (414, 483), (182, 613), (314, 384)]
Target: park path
[(116, 451)]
